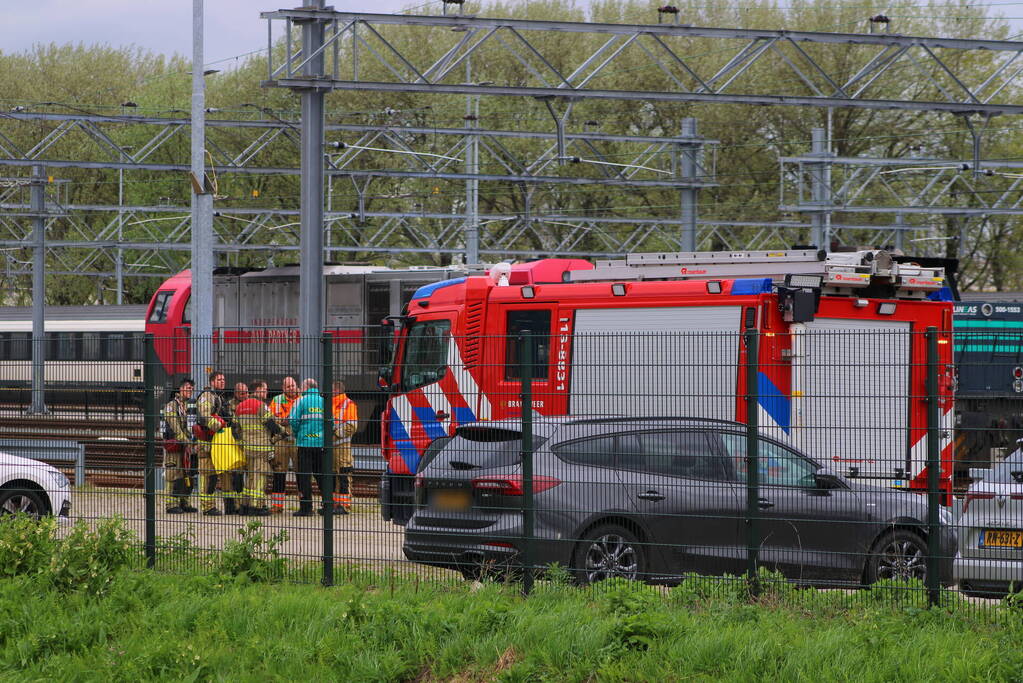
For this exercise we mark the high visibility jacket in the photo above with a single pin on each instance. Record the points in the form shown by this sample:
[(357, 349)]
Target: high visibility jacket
[(175, 420), (280, 406), (251, 415), (306, 418), (210, 409), (346, 418)]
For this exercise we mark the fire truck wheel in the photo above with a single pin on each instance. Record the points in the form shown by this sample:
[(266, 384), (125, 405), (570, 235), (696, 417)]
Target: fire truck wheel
[(606, 552), (898, 554)]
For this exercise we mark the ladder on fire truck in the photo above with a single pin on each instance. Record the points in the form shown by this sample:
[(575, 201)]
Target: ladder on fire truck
[(836, 273)]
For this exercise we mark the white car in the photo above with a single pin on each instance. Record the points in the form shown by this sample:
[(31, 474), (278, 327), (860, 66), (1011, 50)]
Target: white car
[(990, 558), (33, 488)]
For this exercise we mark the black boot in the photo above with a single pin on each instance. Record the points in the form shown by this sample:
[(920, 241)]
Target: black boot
[(230, 507), (279, 482), (181, 490)]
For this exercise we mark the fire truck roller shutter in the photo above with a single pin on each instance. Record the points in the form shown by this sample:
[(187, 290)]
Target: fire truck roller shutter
[(854, 406), (656, 361)]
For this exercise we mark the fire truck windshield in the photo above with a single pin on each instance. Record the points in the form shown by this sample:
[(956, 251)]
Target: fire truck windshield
[(425, 357)]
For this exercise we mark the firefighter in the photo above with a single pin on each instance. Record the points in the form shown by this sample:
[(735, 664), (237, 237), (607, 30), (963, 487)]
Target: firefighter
[(346, 423), (178, 449), (257, 426), (209, 409), (306, 420), (234, 480), (285, 451)]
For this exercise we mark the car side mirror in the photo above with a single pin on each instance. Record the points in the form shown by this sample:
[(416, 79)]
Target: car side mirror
[(827, 480)]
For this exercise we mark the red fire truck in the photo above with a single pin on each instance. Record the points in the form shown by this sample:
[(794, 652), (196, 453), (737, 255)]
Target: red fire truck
[(842, 355)]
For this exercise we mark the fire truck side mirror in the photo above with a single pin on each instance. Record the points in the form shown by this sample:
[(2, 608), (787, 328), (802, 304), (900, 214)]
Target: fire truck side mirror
[(384, 378), (798, 305)]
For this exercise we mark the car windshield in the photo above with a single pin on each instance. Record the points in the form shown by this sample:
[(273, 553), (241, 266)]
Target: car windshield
[(1002, 472), (483, 447)]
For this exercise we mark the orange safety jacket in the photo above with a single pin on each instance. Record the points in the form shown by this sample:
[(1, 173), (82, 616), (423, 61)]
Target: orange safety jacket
[(280, 408), (346, 417)]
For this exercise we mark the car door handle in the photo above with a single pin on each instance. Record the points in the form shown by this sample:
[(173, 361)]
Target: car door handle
[(765, 503), (651, 495)]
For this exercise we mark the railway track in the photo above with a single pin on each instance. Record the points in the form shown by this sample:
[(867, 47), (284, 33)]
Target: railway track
[(115, 449)]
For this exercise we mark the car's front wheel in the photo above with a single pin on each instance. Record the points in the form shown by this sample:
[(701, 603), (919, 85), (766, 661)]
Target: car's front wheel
[(607, 552), (900, 555), (24, 501)]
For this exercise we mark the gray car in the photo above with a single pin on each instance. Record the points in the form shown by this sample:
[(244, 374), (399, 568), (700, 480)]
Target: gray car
[(990, 559), (655, 499)]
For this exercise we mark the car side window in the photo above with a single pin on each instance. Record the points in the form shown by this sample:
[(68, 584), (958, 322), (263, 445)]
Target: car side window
[(598, 452), (778, 465), (674, 453)]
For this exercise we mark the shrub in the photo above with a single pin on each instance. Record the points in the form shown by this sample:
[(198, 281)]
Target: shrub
[(26, 544), (695, 590), (179, 551), (89, 560), (256, 556)]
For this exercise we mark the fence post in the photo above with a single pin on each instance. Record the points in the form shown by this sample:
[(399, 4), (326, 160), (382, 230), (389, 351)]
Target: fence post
[(149, 419), (933, 471), (525, 342), (327, 467), (752, 461)]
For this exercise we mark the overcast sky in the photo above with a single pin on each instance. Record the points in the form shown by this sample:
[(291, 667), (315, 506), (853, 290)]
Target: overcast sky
[(233, 27)]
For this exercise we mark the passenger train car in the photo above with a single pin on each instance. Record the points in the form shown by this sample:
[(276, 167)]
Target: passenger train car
[(255, 321), (93, 355)]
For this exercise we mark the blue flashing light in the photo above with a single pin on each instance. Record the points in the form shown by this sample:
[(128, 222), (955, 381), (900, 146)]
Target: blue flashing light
[(426, 290), (743, 287)]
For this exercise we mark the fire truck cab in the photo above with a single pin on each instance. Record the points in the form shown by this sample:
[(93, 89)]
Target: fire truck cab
[(841, 369)]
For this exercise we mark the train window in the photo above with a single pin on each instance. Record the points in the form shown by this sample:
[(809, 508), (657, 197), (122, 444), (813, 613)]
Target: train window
[(65, 346), (138, 350), (20, 346), (187, 319), (91, 349), (115, 347), (161, 307)]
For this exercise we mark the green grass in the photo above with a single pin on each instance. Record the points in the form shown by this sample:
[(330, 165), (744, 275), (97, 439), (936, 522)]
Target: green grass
[(151, 626), (78, 607)]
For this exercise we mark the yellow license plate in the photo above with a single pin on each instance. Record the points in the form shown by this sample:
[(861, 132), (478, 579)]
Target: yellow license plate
[(997, 538), (452, 500)]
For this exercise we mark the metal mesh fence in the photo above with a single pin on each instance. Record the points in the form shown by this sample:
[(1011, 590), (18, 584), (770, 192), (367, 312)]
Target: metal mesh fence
[(825, 458)]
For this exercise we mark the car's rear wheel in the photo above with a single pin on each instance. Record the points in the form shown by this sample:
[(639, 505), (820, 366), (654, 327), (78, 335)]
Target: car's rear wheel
[(899, 555), (24, 501), (607, 552)]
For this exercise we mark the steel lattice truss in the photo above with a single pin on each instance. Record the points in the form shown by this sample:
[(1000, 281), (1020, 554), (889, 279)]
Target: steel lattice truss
[(667, 63), (382, 173), (84, 249), (935, 187)]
